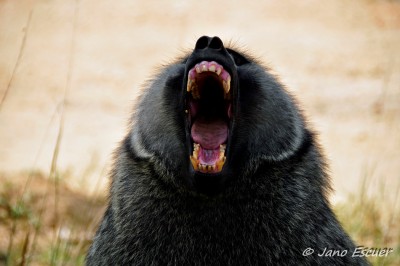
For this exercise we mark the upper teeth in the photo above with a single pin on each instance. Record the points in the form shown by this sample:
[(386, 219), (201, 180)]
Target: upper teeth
[(198, 70), (213, 67)]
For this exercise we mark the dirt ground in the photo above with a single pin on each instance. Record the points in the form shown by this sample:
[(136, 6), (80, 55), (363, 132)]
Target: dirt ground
[(340, 58)]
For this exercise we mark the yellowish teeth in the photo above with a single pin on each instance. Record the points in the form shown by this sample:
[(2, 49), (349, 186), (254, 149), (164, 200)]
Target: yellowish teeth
[(195, 163), (189, 84), (203, 67), (220, 164), (206, 168), (192, 87), (226, 85), (196, 148)]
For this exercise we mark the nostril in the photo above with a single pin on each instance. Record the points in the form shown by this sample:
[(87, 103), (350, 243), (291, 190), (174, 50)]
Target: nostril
[(202, 42), (216, 43)]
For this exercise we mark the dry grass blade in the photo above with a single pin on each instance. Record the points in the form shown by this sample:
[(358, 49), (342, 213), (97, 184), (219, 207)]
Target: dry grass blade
[(21, 50), (25, 249)]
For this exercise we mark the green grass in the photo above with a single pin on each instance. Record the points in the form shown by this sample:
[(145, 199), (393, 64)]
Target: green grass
[(33, 233), (372, 221)]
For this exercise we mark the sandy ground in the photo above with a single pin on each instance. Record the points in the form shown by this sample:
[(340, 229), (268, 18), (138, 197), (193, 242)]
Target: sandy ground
[(340, 58)]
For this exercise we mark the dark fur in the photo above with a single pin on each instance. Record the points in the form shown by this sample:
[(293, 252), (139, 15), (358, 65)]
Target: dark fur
[(269, 204)]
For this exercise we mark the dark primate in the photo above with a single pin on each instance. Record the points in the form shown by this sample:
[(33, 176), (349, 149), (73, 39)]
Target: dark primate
[(219, 168)]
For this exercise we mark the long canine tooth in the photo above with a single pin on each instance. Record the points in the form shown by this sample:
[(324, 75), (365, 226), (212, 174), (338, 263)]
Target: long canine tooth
[(189, 84), (219, 70), (195, 163), (221, 155), (222, 148), (226, 86), (198, 70), (196, 148), (220, 164)]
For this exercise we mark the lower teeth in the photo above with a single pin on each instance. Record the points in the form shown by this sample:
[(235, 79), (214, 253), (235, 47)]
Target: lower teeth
[(215, 168)]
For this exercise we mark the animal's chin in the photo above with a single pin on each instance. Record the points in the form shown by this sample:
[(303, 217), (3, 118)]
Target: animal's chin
[(209, 107)]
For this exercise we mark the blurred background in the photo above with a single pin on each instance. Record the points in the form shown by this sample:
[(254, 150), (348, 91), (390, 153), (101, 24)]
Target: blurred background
[(70, 72)]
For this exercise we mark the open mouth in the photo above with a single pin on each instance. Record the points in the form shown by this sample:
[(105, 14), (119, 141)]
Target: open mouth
[(209, 108)]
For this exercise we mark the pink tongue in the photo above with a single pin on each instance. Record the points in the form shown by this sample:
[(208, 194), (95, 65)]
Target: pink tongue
[(209, 134)]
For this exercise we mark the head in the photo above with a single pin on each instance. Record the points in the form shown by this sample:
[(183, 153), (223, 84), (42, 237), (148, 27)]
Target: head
[(208, 120)]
